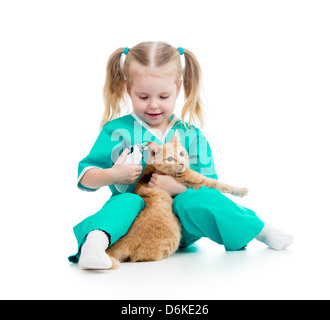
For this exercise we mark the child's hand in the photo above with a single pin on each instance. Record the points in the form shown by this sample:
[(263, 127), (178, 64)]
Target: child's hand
[(167, 184), (122, 173)]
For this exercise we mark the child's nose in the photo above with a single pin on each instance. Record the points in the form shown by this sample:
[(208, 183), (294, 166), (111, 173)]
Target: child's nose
[(153, 104)]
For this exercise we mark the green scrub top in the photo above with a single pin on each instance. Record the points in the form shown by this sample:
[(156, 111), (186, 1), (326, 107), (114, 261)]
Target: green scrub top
[(129, 130)]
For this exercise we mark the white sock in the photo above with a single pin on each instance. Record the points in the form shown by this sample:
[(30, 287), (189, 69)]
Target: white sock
[(274, 238), (93, 254)]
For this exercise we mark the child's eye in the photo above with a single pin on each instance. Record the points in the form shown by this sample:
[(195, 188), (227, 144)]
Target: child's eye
[(162, 97), (169, 159), (143, 98), (182, 153)]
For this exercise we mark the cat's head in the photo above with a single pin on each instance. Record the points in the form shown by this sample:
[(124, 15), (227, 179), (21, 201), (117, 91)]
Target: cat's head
[(170, 158)]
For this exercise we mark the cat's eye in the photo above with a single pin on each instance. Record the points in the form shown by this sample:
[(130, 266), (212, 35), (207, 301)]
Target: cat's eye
[(182, 153), (169, 159)]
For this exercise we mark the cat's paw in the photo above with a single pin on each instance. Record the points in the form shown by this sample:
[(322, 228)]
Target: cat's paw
[(241, 192)]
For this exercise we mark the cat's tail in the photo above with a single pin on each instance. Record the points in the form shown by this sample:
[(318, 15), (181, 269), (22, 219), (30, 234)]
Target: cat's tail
[(115, 263), (118, 253)]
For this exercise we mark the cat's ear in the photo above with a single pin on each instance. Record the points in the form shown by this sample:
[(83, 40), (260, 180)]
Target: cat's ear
[(153, 148), (176, 137)]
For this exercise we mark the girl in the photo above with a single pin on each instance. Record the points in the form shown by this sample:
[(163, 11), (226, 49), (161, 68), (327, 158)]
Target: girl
[(152, 76)]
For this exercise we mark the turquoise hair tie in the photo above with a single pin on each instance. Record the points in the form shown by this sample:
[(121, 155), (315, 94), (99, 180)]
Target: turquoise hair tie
[(181, 50), (126, 50)]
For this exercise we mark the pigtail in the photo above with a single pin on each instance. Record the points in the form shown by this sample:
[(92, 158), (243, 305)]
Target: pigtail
[(191, 83), (114, 89)]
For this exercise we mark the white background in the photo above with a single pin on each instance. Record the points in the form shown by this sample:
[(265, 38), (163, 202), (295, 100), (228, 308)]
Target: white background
[(266, 71)]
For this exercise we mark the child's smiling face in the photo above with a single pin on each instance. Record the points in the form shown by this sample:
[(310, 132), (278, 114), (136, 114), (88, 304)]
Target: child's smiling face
[(154, 92)]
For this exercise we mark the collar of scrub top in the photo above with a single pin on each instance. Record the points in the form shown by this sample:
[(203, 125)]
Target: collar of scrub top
[(173, 119)]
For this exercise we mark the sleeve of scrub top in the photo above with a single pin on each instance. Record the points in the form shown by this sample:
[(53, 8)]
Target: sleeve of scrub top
[(100, 155), (200, 155)]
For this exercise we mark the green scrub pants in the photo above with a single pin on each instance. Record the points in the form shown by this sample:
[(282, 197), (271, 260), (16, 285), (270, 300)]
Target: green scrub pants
[(203, 213)]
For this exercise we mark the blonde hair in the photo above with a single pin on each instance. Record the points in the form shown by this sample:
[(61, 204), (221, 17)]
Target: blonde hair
[(152, 54)]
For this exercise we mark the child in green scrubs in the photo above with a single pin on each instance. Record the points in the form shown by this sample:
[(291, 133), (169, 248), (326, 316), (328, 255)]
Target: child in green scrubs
[(152, 77)]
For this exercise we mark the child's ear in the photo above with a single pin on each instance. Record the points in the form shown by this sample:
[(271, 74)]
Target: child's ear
[(153, 148), (127, 88), (178, 88)]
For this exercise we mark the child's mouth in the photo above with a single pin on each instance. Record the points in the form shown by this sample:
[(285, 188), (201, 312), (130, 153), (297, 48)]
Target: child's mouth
[(154, 115)]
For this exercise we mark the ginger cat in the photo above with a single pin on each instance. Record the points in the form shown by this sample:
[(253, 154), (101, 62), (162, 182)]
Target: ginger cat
[(156, 232)]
